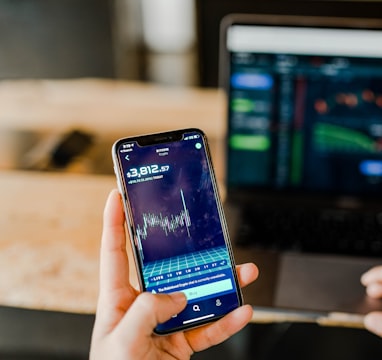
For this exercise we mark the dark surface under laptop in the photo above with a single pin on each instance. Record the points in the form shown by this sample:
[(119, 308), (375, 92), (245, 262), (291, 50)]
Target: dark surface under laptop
[(304, 169)]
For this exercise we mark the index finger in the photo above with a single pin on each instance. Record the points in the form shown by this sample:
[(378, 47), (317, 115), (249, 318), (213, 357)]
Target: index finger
[(114, 264)]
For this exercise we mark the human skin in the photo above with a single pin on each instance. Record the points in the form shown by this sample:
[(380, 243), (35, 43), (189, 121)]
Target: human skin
[(126, 318), (372, 280)]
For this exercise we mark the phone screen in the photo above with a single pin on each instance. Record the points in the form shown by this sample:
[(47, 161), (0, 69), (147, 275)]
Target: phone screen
[(180, 238)]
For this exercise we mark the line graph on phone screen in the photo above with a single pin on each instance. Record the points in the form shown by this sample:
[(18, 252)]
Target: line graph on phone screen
[(187, 266), (167, 223)]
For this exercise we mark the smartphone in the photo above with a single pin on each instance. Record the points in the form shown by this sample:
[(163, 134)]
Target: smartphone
[(176, 223)]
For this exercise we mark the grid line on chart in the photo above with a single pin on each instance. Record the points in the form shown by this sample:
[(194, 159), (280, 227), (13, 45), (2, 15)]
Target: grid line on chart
[(183, 262)]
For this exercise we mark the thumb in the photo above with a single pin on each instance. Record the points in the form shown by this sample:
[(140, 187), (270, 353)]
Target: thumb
[(373, 322), (149, 310)]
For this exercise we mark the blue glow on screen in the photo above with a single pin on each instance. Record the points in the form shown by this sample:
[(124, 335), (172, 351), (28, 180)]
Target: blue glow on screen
[(251, 81), (371, 167)]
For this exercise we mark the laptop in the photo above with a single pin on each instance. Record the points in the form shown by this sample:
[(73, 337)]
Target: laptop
[(304, 161)]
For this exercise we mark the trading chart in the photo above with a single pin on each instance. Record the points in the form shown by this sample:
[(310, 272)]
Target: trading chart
[(169, 224), (186, 266)]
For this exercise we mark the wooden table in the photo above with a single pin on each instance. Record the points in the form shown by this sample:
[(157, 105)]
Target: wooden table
[(109, 107), (49, 239), (50, 224)]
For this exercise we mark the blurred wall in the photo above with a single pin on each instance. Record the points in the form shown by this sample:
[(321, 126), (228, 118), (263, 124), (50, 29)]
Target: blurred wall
[(56, 39), (149, 40)]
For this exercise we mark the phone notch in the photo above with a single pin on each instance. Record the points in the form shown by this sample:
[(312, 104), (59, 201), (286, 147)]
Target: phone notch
[(160, 138)]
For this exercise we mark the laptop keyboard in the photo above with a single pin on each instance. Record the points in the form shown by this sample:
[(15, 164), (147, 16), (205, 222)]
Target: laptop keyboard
[(325, 231)]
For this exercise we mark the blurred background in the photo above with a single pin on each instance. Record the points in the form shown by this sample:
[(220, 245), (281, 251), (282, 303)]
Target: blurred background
[(75, 75), (45, 46), (127, 39), (171, 42)]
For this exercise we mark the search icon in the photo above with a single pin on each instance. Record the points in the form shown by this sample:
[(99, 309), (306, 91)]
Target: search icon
[(196, 308)]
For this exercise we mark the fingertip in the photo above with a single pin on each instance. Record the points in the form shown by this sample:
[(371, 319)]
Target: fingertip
[(113, 199), (247, 272), (112, 194), (374, 290), (365, 278), (158, 308), (245, 312), (253, 269), (373, 322), (113, 214), (372, 275), (178, 297)]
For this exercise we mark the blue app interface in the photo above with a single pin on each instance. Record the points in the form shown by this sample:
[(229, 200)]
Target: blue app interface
[(178, 229)]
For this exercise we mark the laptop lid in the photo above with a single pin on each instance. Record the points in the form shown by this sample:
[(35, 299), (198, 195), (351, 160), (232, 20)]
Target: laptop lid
[(304, 104)]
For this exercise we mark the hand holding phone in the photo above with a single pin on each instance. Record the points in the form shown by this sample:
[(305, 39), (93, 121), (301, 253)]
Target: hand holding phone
[(176, 223), (126, 318)]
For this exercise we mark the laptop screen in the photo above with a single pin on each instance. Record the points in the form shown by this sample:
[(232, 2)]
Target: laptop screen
[(304, 107)]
